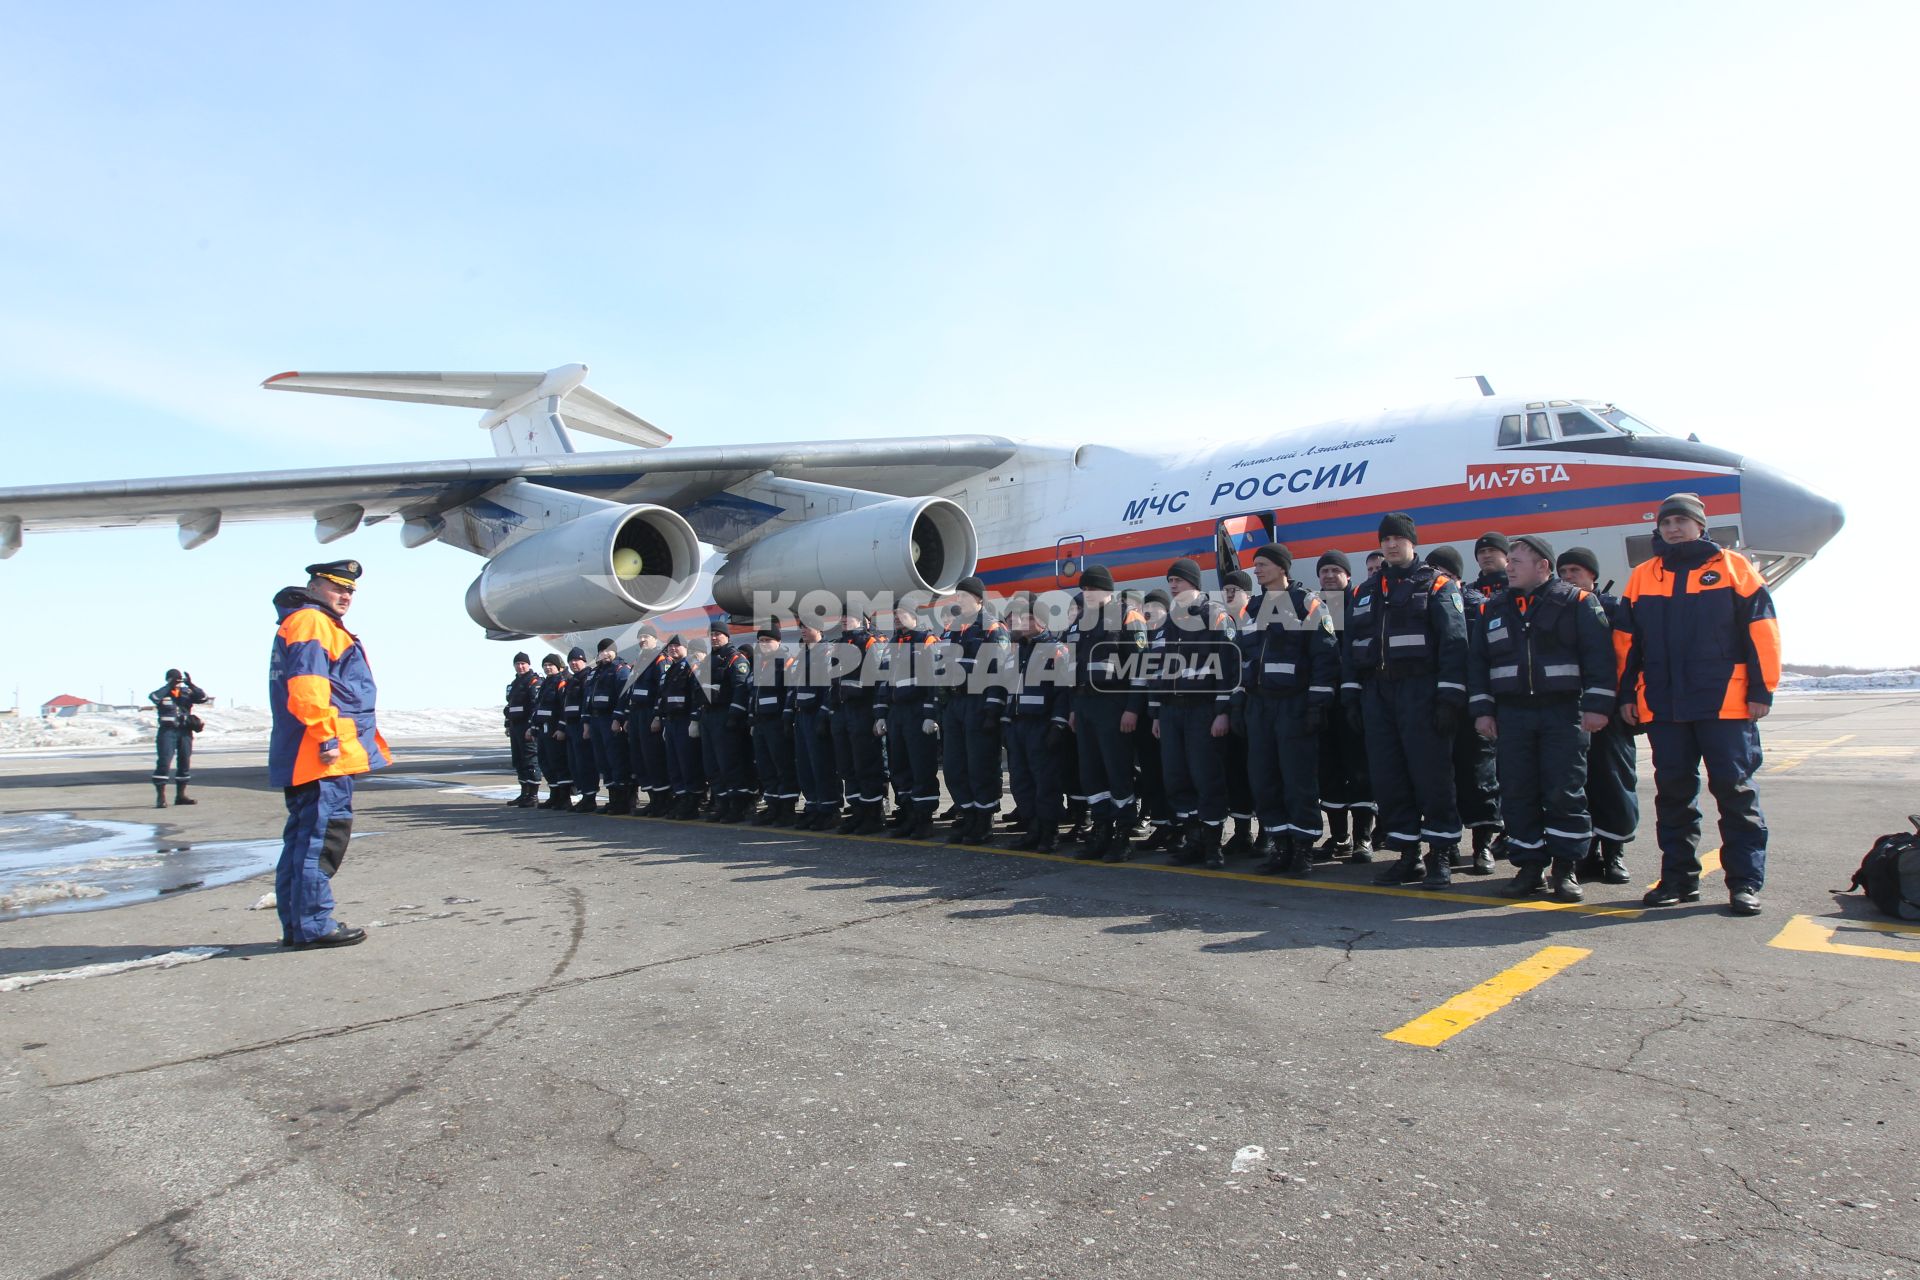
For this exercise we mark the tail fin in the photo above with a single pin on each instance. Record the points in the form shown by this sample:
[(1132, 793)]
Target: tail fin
[(528, 413)]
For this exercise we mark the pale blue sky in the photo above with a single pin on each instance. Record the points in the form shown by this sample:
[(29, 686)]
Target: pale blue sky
[(1083, 221)]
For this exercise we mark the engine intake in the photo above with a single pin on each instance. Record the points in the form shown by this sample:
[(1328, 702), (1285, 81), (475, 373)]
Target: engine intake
[(603, 570), (901, 546)]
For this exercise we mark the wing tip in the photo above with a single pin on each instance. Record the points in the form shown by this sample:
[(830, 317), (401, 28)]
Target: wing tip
[(291, 373)]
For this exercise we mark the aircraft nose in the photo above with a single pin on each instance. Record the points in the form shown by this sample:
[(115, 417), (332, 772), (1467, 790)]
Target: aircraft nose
[(1783, 515)]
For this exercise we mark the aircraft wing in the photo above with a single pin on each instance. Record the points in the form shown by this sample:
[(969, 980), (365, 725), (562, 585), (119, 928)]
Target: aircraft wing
[(341, 498)]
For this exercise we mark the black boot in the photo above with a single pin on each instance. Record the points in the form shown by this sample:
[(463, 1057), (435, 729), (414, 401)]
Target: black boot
[(1590, 865), (903, 810), (619, 801), (1241, 842), (180, 795), (769, 816), (1362, 835), (1613, 863), (559, 796), (1049, 841), (1565, 882), (660, 803), (1097, 842), (588, 802), (919, 823), (1440, 865), (1404, 871), (159, 795), (961, 828), (1299, 862), (1119, 844), (529, 795), (1184, 844), (952, 814), (687, 809), (1526, 883), (1336, 845), (870, 823), (1268, 850), (1668, 892), (1483, 851), (1208, 846)]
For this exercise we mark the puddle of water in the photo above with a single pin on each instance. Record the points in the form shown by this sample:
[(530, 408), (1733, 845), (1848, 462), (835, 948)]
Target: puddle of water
[(51, 862)]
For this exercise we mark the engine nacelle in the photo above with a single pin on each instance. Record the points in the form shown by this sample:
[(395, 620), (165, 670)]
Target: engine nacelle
[(902, 545), (603, 570)]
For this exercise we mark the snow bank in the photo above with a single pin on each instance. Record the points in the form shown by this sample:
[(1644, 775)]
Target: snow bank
[(1866, 682), (227, 727)]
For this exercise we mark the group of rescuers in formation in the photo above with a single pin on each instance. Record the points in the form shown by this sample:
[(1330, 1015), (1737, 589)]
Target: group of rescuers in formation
[(1419, 709)]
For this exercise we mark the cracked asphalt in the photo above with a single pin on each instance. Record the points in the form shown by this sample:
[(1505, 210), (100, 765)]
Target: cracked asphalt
[(584, 1046)]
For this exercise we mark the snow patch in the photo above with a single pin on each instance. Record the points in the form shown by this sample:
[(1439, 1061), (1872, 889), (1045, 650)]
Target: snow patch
[(1249, 1158), (166, 960), (1864, 682), (228, 728)]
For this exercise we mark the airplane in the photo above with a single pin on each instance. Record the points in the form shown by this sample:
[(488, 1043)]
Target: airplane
[(583, 544)]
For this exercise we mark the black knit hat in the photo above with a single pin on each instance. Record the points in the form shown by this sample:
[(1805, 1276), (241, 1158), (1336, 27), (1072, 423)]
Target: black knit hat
[(1276, 552), (1335, 558), (720, 625), (1398, 524), (522, 657), (173, 673), (973, 587), (647, 629), (674, 640), (1580, 556), (553, 660), (1684, 504), (607, 645), (1446, 559), (1159, 596), (576, 652), (1496, 540), (1238, 578), (1186, 570), (1538, 545), (769, 630), (1096, 577)]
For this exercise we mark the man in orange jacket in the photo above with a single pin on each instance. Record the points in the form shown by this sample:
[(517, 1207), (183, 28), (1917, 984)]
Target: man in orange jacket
[(1700, 671), (321, 692)]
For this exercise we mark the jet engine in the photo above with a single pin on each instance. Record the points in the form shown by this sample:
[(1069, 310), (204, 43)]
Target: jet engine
[(900, 545), (606, 569)]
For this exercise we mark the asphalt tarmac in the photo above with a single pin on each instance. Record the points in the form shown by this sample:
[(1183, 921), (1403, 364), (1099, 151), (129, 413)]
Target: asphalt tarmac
[(584, 1046)]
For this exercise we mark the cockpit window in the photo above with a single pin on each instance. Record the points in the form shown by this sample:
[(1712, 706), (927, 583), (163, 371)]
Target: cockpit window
[(1628, 423), (1509, 430), (1539, 428), (1579, 424)]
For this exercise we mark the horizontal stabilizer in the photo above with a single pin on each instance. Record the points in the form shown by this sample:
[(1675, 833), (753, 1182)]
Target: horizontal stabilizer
[(501, 396)]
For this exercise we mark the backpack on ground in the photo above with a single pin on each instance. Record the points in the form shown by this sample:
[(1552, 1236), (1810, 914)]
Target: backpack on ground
[(1890, 873)]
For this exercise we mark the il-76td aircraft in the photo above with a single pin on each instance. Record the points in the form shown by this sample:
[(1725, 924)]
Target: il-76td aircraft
[(580, 544)]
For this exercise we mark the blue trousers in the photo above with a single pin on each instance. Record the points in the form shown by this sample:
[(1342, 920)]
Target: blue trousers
[(1193, 761), (1411, 764), (1033, 771), (859, 755), (773, 758), (1283, 763), (1345, 782), (586, 774), (1543, 779), (970, 751), (647, 754), (1105, 753), (554, 761), (610, 753), (814, 766), (1613, 772), (913, 756), (686, 773), (314, 844), (522, 749), (171, 745), (1730, 749)]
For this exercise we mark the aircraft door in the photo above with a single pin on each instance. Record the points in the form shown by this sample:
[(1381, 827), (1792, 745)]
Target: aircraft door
[(1236, 538), (1069, 558)]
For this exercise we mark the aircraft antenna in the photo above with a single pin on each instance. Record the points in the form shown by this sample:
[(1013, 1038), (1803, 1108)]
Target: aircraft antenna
[(1486, 388)]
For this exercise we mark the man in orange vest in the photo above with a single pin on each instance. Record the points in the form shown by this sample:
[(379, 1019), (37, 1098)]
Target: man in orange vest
[(1700, 671), (321, 691)]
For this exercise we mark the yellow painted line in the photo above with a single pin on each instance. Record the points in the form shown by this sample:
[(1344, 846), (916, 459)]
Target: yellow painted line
[(1795, 761), (1709, 863), (1622, 912), (1496, 993), (1804, 933)]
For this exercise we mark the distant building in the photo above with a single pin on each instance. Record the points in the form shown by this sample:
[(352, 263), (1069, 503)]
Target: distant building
[(68, 705)]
